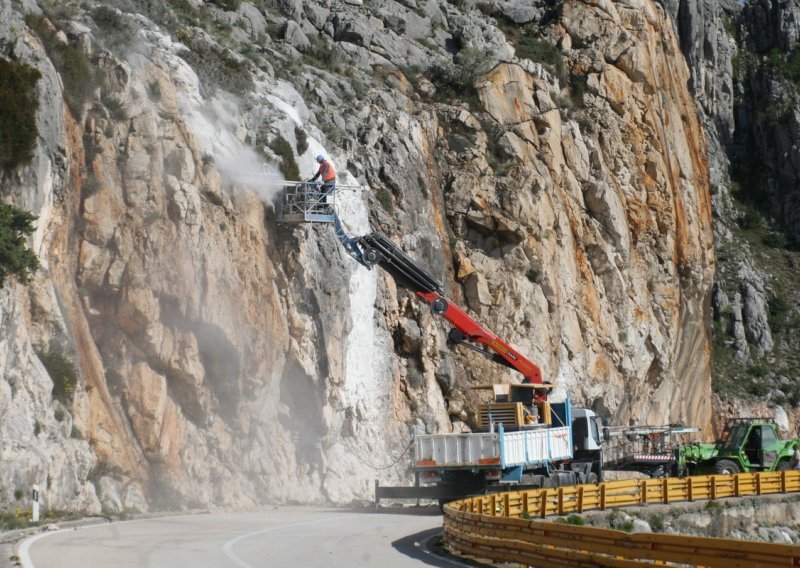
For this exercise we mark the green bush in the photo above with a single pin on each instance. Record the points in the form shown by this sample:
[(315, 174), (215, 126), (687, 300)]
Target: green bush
[(458, 79), (758, 388), (657, 522), (576, 520), (385, 199), (79, 77), (15, 258), (229, 5), (751, 219), (216, 68), (62, 372), (288, 165), (118, 32), (775, 239), (116, 108), (779, 311), (18, 104), (539, 50)]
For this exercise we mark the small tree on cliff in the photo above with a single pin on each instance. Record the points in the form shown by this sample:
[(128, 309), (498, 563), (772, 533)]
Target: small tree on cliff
[(16, 259), (18, 104)]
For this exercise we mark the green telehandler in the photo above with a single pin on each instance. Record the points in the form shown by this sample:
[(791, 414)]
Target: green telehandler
[(747, 445)]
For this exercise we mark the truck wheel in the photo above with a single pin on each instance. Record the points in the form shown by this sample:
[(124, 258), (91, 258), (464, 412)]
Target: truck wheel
[(783, 466), (726, 467), (591, 478)]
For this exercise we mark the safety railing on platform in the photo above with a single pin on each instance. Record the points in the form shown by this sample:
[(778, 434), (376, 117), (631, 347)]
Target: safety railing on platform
[(499, 527)]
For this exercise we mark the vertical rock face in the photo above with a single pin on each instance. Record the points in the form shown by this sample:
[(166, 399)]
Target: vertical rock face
[(756, 330), (768, 115), (223, 358)]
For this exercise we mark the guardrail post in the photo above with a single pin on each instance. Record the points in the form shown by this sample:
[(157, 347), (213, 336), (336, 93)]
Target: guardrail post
[(493, 502), (580, 499), (643, 492), (560, 500), (783, 481), (666, 491), (480, 506), (736, 485), (758, 483), (525, 504), (543, 503), (713, 492), (602, 496), (690, 489), (506, 505)]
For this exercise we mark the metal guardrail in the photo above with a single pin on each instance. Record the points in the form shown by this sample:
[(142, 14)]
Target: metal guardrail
[(499, 527)]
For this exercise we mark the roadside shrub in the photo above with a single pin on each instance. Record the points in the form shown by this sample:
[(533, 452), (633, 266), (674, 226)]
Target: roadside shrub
[(657, 522), (16, 259), (576, 520), (18, 104)]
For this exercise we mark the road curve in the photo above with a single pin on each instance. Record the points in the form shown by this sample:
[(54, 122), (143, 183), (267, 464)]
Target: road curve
[(274, 538)]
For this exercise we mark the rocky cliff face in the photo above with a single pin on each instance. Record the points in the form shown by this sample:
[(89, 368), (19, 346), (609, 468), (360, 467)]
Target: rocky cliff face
[(561, 193), (748, 52)]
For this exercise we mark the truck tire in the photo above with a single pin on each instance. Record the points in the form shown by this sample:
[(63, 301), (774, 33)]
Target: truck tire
[(726, 467), (783, 466)]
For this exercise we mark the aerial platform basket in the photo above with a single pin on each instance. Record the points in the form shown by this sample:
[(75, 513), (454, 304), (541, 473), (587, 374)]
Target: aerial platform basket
[(305, 202)]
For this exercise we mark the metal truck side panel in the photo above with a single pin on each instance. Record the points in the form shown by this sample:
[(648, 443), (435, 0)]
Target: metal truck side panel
[(434, 451), (535, 447)]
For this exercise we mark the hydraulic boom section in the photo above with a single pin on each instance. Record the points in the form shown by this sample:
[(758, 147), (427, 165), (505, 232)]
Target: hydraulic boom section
[(376, 249)]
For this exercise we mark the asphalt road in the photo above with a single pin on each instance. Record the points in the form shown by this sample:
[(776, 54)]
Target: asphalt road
[(274, 538)]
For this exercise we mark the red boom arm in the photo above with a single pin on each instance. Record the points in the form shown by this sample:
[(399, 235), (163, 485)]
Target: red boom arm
[(475, 332)]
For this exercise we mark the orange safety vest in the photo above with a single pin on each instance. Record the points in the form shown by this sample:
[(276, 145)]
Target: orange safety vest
[(326, 171)]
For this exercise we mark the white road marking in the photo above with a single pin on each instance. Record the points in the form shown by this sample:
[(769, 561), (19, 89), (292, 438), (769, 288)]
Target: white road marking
[(227, 548), (24, 555)]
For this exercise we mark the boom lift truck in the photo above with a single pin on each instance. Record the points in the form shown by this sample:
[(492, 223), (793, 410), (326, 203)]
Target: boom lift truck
[(523, 438)]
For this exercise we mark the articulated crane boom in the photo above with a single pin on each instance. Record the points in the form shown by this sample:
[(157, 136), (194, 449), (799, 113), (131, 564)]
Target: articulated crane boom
[(376, 249)]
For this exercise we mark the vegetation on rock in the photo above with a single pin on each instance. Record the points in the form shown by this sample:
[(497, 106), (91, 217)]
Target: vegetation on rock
[(62, 372), (288, 165), (79, 76), (16, 259), (18, 105)]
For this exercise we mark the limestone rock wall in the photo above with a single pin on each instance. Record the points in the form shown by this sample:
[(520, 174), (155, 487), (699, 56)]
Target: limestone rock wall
[(226, 359)]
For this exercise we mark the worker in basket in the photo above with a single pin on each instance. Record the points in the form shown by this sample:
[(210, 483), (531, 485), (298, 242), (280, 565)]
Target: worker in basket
[(327, 173)]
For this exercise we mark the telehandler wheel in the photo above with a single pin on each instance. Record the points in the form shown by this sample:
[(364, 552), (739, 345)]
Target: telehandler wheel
[(726, 467), (783, 466)]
